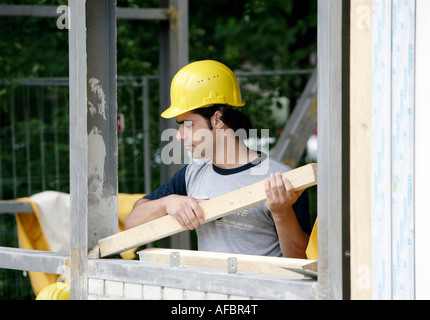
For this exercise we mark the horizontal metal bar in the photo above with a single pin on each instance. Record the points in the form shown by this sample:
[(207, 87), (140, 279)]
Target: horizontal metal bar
[(33, 260), (122, 80), (142, 14), (11, 10), (13, 206), (265, 73), (64, 81), (203, 279), (36, 82)]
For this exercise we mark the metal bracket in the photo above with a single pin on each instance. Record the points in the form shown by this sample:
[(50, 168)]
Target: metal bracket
[(175, 259), (173, 15), (232, 265)]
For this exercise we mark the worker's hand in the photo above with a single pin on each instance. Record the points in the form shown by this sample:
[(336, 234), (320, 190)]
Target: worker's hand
[(280, 193), (185, 210)]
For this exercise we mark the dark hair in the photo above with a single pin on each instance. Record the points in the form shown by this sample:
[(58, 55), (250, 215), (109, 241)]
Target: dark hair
[(233, 117)]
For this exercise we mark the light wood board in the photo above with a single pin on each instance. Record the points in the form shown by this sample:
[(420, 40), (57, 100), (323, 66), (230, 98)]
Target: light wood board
[(301, 178), (360, 150), (218, 260)]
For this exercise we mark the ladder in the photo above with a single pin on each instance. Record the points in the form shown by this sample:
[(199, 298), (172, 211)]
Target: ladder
[(299, 127)]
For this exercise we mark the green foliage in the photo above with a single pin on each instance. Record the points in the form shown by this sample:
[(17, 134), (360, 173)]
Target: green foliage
[(257, 35), (274, 34), (32, 47)]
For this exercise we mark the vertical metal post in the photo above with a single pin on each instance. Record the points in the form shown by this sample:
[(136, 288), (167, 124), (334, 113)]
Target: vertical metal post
[(333, 139), (93, 125), (78, 150), (102, 120), (146, 135), (165, 80), (178, 58), (174, 40), (164, 93), (178, 39), (173, 56)]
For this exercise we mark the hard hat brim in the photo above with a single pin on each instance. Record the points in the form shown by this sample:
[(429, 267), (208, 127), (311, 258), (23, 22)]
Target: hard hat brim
[(174, 111)]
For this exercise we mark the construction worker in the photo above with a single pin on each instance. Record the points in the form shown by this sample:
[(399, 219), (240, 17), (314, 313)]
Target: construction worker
[(207, 103)]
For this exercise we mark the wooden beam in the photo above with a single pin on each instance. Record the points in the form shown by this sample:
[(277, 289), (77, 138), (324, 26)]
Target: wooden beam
[(360, 149), (218, 260), (301, 178)]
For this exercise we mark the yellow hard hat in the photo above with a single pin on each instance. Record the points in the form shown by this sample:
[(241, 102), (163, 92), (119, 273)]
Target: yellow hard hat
[(201, 84)]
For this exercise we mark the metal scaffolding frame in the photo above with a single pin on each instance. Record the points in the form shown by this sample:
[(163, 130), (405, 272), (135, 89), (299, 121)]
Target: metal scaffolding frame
[(333, 157), (92, 79), (333, 74), (86, 191)]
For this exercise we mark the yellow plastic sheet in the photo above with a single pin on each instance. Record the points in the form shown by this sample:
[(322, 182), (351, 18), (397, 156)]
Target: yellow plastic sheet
[(30, 236), (312, 249)]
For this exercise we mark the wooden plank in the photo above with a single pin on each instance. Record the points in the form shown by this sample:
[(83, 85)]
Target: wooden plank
[(301, 178), (218, 260), (360, 149)]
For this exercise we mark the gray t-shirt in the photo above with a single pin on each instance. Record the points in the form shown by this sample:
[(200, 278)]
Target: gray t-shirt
[(249, 231)]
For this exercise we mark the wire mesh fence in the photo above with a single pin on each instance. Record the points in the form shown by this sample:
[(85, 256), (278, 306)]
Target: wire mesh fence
[(34, 152)]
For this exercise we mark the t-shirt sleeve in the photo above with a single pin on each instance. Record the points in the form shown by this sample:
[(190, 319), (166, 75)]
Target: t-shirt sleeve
[(176, 185), (301, 208)]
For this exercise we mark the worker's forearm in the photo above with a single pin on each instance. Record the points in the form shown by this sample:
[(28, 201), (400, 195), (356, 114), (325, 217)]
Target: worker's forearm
[(184, 209), (145, 210), (292, 239)]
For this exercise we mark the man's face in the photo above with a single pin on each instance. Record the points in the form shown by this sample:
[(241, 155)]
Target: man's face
[(196, 135)]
